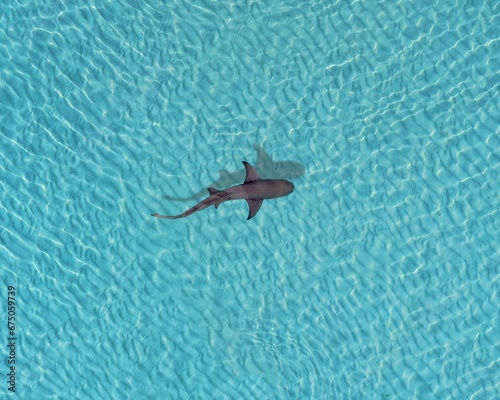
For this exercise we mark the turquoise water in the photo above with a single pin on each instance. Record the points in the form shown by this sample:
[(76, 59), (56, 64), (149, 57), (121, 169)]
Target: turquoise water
[(378, 278)]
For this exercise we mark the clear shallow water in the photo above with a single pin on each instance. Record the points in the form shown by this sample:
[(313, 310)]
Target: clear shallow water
[(377, 278)]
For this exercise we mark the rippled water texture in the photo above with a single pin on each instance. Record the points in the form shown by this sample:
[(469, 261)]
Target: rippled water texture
[(377, 278)]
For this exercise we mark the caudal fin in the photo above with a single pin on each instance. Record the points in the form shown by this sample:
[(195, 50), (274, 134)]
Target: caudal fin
[(167, 216)]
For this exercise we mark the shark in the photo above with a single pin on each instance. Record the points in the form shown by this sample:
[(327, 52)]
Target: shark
[(254, 190)]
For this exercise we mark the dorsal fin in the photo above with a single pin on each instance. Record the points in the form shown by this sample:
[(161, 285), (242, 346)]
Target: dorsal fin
[(214, 191), (252, 174)]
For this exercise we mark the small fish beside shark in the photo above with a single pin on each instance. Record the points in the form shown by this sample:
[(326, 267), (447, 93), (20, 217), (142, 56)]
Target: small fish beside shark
[(254, 190)]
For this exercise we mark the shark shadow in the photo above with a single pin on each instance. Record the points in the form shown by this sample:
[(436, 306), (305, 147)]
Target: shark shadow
[(281, 169)]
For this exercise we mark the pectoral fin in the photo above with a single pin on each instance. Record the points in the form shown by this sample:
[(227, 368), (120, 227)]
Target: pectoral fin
[(254, 206), (252, 174)]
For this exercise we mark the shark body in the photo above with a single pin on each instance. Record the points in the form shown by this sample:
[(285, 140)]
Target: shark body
[(254, 190)]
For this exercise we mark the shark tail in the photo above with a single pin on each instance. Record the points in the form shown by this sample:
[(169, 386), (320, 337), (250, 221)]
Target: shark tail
[(167, 216)]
